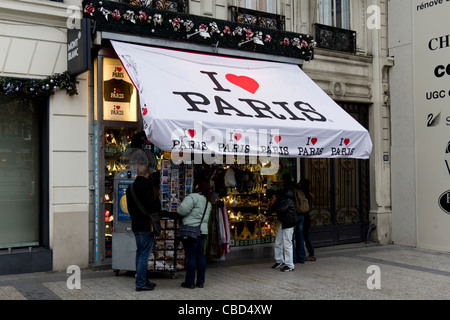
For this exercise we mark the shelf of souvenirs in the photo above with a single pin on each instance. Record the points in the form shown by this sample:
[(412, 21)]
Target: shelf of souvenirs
[(248, 216), (254, 199), (251, 232)]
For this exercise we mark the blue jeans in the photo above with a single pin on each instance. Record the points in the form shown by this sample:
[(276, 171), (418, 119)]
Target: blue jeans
[(195, 261), (144, 243), (297, 240)]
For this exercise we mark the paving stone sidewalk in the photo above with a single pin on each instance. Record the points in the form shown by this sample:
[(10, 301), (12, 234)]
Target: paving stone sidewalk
[(340, 273)]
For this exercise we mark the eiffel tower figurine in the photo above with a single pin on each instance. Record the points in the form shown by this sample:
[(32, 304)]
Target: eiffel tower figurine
[(245, 234), (257, 232)]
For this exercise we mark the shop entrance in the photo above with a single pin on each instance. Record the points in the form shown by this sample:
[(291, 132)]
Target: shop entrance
[(340, 208), (116, 121)]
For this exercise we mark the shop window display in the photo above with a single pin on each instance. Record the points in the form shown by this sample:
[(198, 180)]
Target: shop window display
[(247, 204), (20, 162), (239, 205), (239, 208), (241, 194), (117, 144)]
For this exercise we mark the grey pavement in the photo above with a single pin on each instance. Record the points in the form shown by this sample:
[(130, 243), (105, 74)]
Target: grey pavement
[(340, 273)]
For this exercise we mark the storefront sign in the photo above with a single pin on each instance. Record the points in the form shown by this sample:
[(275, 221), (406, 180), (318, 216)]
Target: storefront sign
[(79, 48), (432, 115), (119, 94), (444, 202), (214, 105)]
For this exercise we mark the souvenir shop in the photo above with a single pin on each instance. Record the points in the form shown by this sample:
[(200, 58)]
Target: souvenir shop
[(239, 201), (194, 142), (240, 122)]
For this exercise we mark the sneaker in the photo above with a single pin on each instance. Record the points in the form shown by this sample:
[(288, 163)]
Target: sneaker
[(276, 265), (286, 269)]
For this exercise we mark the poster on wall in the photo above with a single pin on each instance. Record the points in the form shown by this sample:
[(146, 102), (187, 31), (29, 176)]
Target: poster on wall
[(432, 101), (119, 94)]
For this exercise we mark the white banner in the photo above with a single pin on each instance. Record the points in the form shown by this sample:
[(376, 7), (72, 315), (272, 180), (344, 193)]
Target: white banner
[(226, 106)]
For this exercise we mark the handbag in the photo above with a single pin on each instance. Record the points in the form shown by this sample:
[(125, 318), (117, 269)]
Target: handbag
[(154, 217), (191, 233)]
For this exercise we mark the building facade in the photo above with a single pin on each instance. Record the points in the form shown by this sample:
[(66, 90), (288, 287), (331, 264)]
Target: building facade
[(350, 63), (420, 122), (45, 158)]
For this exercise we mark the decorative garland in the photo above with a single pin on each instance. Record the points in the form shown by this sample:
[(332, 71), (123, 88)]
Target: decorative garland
[(132, 19), (38, 88)]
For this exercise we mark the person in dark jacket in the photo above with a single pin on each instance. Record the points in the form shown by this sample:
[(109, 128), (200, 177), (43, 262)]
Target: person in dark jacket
[(141, 226), (284, 206)]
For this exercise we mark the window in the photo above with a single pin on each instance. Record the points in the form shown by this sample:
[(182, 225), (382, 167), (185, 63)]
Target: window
[(20, 163), (335, 13), (259, 5), (261, 13), (168, 5)]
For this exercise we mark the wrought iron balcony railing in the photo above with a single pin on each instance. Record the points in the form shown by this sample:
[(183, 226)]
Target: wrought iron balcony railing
[(257, 18), (153, 22), (333, 38), (168, 5)]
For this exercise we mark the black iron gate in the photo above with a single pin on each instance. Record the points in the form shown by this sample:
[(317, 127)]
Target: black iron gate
[(340, 187)]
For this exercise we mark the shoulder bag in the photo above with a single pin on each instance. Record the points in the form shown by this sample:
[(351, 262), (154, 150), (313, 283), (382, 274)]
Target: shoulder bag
[(155, 224), (191, 233)]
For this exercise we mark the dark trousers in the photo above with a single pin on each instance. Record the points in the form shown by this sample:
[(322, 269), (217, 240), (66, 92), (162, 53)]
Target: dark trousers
[(299, 246), (308, 242), (195, 261)]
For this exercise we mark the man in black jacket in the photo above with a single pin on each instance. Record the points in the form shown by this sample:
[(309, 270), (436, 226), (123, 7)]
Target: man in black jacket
[(140, 224), (284, 206)]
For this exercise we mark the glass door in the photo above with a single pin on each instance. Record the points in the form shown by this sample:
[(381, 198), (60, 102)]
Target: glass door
[(117, 146)]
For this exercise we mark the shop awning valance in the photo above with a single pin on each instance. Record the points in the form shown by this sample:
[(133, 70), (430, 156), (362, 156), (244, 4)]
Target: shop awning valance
[(218, 105)]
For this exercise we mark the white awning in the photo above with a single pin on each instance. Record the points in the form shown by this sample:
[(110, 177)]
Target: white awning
[(217, 105)]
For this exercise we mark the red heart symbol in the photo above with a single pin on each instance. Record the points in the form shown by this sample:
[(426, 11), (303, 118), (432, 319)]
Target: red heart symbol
[(238, 136), (347, 142), (118, 90), (192, 133), (246, 83), (314, 141), (145, 112), (118, 107), (119, 69), (277, 139)]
